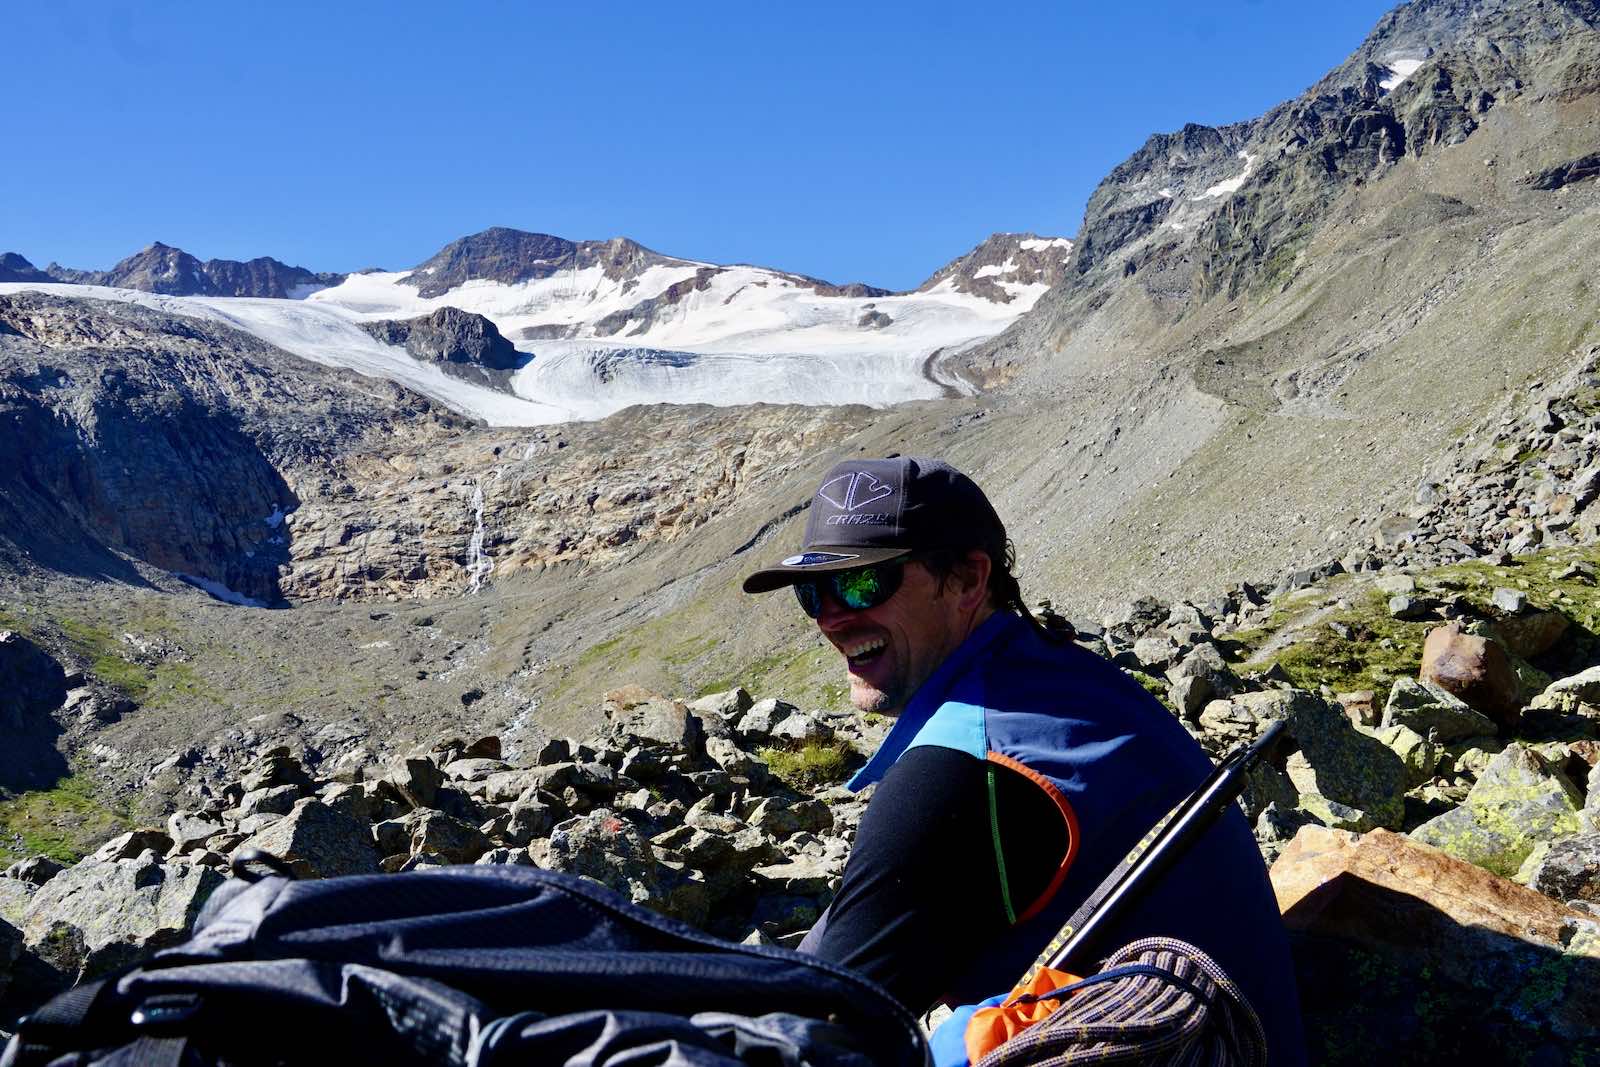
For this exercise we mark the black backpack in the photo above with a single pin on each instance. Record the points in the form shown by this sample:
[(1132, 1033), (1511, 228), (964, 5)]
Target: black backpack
[(464, 965)]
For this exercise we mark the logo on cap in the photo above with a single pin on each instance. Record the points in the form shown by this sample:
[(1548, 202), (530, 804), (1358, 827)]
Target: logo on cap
[(849, 492), (815, 559)]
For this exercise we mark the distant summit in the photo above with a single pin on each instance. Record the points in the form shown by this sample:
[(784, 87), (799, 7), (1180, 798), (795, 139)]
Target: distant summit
[(1003, 264), (14, 268), (173, 272)]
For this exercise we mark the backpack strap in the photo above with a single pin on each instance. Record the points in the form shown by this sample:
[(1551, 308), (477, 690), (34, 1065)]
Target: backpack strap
[(57, 1024)]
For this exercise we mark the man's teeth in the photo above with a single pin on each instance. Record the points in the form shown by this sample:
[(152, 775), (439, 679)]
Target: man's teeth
[(863, 648)]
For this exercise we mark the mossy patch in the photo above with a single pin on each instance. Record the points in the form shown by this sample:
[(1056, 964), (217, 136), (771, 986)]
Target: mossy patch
[(65, 822), (812, 765), (1358, 647)]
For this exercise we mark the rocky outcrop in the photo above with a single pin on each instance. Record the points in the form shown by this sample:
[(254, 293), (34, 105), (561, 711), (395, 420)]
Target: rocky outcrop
[(450, 336), (15, 268), (168, 439)]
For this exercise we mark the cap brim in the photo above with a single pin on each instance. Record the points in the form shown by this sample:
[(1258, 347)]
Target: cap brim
[(787, 573)]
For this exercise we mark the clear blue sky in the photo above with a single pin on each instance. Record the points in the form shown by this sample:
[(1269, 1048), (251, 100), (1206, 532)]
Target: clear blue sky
[(860, 141)]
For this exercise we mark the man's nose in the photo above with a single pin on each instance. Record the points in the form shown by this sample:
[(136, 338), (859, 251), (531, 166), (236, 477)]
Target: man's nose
[(834, 615)]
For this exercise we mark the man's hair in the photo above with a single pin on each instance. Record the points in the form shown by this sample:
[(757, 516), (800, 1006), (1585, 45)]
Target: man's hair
[(1005, 593)]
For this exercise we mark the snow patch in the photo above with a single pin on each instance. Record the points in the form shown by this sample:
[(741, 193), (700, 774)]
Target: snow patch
[(220, 591), (1039, 244), (275, 518), (1165, 193), (1010, 266), (1399, 71), (1232, 184)]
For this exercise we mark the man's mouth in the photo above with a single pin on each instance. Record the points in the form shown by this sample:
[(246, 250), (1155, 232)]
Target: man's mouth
[(863, 650)]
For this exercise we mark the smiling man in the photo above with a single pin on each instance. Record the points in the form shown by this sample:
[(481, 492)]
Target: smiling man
[(1021, 768)]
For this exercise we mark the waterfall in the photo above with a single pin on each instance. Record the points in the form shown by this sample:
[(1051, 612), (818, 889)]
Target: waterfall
[(479, 563)]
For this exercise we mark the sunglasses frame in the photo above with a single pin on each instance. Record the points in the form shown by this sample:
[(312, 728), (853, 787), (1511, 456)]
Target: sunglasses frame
[(830, 582)]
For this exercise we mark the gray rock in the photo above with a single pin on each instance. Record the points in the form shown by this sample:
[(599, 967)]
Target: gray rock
[(132, 844), (1565, 694), (800, 729), (1411, 607), (36, 870), (780, 817), (556, 750), (317, 842), (1199, 678), (474, 769), (756, 724), (804, 876), (517, 857), (659, 721), (1433, 712), (1155, 652), (416, 778), (734, 759), (98, 916), (276, 769), (1509, 601), (449, 838), (607, 849), (271, 800), (726, 705), (1518, 802), (188, 828), (1570, 868)]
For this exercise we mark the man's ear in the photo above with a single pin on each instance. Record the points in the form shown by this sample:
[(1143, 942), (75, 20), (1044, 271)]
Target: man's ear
[(972, 578)]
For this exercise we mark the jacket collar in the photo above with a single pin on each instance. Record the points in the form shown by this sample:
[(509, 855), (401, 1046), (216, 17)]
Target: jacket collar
[(931, 694)]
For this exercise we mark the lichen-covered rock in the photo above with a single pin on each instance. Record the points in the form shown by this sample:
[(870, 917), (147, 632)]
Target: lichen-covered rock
[(801, 729), (755, 726), (1566, 694), (1419, 755), (1518, 801), (35, 870), (317, 842), (101, 915), (1434, 712), (450, 838)]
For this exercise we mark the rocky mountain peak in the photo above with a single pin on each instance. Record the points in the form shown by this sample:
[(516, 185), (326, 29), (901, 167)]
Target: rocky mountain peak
[(161, 268), (498, 254), (1003, 262), (16, 268)]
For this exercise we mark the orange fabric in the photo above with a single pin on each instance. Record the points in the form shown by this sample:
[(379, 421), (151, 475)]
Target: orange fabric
[(989, 1028), (1067, 814)]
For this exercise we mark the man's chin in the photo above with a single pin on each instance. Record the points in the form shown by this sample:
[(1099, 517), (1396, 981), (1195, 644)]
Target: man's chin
[(868, 698)]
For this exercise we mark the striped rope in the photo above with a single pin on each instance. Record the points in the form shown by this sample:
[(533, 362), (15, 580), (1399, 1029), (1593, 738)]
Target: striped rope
[(1170, 1006)]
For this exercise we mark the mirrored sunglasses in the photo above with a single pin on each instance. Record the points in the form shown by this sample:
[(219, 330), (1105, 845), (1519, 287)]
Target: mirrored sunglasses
[(856, 589)]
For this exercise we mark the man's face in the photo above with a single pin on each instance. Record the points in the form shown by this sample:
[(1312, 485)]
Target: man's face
[(891, 649)]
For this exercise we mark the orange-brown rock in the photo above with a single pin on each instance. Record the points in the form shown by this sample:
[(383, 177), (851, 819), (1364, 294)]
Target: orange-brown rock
[(1401, 947), (1476, 670)]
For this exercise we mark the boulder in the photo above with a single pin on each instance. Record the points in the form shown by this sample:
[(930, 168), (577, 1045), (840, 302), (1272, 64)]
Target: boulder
[(1136, 617), (1401, 948), (101, 915), (188, 828), (1434, 712), (1419, 755), (607, 849), (317, 842), (416, 778), (275, 769), (1199, 678), (451, 839), (1531, 633), (133, 844), (727, 705), (1569, 869), (1474, 669), (1345, 777), (755, 725), (1517, 802), (781, 818), (639, 717), (1567, 694), (474, 768), (555, 750), (36, 870), (31, 682), (804, 875), (801, 729)]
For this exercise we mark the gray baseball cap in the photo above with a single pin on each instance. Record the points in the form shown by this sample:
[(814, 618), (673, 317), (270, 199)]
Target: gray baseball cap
[(877, 510)]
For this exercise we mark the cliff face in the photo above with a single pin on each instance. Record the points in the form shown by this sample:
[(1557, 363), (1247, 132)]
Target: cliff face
[(167, 439)]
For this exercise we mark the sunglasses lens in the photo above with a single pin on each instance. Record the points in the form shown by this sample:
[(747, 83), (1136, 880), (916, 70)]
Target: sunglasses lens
[(863, 588), (810, 598)]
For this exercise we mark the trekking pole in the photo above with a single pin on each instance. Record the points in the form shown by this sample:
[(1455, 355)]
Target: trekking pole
[(1155, 853), (1174, 836)]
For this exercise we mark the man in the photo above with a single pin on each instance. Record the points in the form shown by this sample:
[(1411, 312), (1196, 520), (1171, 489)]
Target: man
[(1020, 770)]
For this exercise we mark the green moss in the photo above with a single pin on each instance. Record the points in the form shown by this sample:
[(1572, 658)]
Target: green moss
[(65, 822), (812, 765), (1379, 649)]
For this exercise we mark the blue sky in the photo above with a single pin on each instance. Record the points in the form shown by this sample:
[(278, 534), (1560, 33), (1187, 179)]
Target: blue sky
[(869, 142)]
